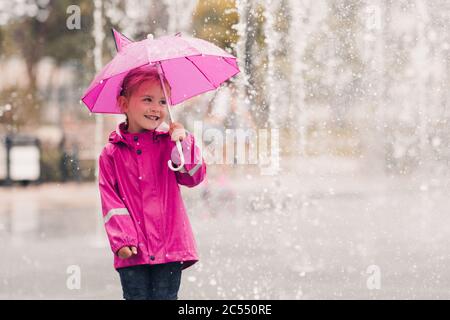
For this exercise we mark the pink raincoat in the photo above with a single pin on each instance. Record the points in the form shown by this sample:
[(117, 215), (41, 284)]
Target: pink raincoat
[(141, 200)]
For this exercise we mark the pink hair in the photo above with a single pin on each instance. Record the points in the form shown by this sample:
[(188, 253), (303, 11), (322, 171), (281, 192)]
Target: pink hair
[(137, 76)]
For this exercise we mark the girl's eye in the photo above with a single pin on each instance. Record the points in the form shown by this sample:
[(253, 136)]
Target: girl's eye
[(148, 99), (163, 102)]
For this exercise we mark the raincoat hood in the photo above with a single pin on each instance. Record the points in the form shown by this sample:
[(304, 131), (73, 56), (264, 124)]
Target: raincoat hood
[(122, 135)]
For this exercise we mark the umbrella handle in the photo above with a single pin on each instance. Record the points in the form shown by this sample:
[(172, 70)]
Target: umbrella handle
[(180, 152)]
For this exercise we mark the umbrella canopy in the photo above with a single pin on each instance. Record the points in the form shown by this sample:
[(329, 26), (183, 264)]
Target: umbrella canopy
[(190, 65)]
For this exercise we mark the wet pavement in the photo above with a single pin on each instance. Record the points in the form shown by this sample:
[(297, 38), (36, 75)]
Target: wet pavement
[(310, 232)]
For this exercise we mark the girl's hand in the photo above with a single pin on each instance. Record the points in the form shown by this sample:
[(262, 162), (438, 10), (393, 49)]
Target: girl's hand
[(177, 131), (126, 252)]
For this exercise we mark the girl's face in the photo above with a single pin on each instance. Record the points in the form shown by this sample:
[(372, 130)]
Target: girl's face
[(145, 108)]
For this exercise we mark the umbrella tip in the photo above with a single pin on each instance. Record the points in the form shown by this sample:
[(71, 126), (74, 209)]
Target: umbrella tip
[(150, 36)]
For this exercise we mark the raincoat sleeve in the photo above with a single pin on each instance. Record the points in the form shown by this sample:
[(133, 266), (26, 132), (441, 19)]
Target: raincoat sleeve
[(194, 169), (116, 217)]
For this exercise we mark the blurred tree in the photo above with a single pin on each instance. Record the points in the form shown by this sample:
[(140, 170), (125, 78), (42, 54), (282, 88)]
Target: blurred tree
[(44, 35), (213, 21), (35, 38), (12, 114)]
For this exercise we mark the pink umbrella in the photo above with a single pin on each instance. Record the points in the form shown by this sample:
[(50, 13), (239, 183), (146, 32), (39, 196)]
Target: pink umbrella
[(190, 65)]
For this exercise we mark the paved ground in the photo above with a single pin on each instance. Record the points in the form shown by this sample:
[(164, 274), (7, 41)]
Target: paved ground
[(309, 233)]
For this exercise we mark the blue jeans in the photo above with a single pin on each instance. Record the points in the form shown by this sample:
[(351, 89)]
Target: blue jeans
[(151, 282)]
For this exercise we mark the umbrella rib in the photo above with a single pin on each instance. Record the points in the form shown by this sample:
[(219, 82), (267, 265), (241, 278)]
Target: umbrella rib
[(201, 72)]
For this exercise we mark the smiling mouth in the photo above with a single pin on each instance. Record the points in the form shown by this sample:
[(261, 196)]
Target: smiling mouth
[(154, 118)]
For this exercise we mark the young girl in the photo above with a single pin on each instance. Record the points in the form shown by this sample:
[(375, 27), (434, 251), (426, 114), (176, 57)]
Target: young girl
[(144, 215)]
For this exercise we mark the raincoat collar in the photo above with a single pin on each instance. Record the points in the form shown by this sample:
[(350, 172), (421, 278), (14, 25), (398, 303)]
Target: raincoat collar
[(122, 135)]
